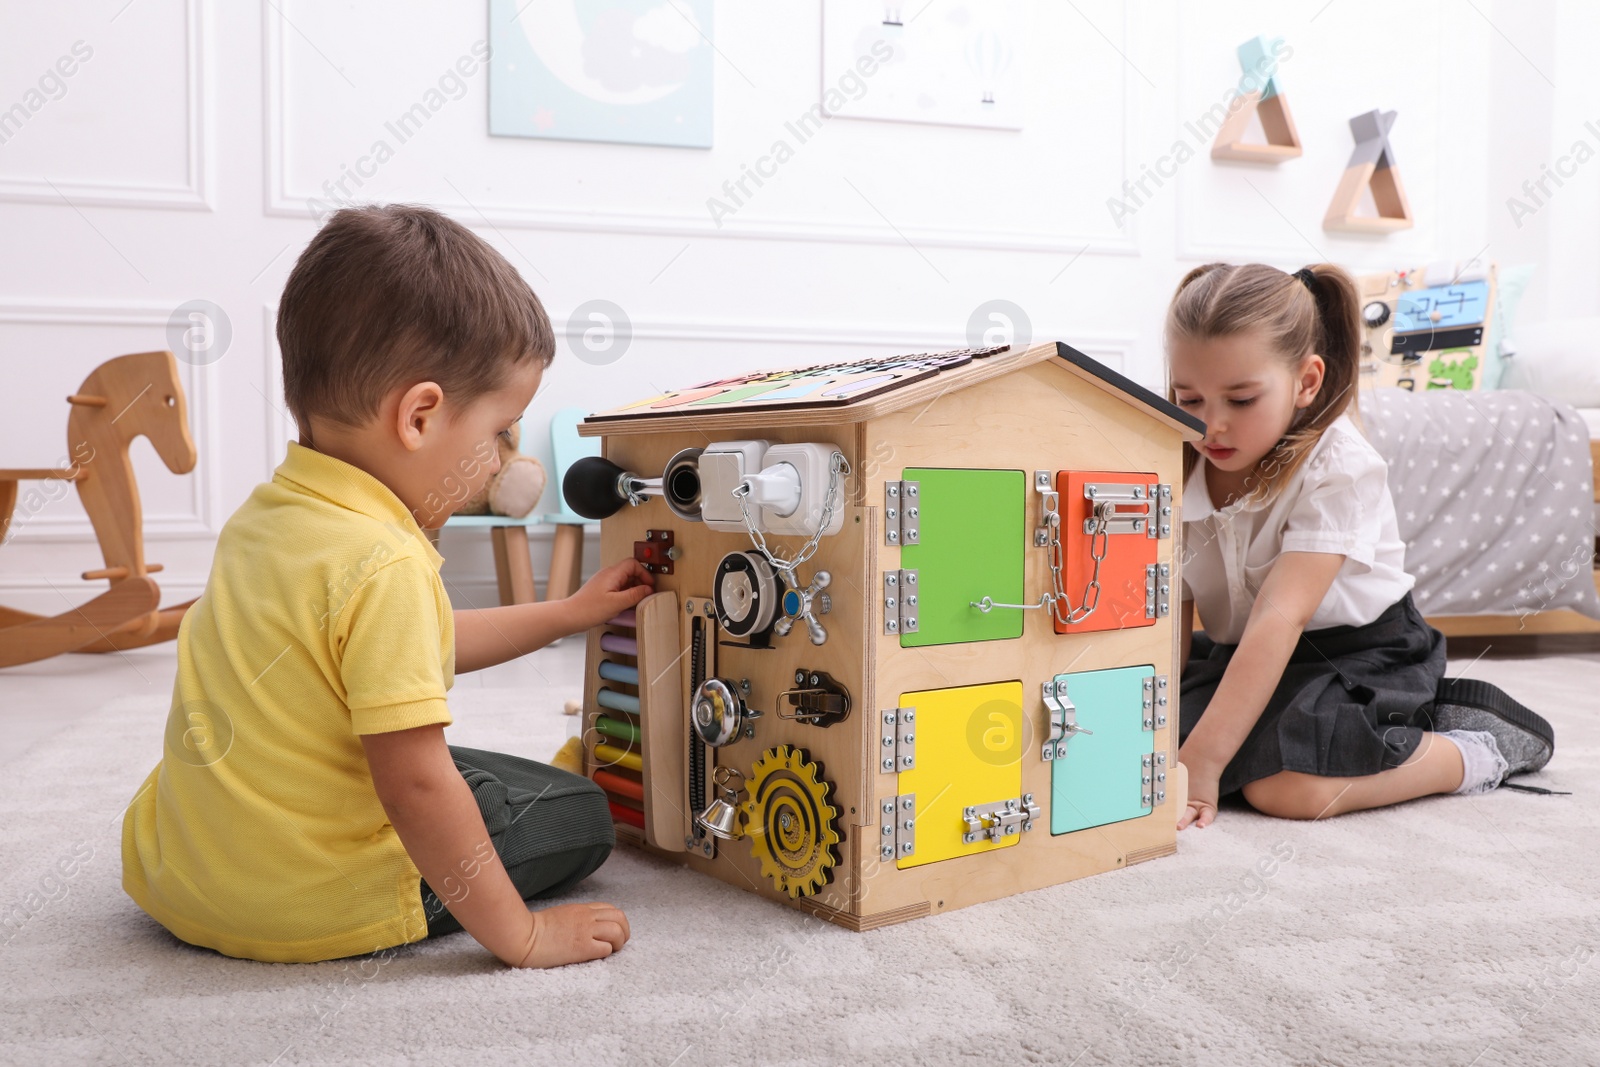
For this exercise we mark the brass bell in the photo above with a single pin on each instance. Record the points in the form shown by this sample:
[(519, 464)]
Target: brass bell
[(721, 817)]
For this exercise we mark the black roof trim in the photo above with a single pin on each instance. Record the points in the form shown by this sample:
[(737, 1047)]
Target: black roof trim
[(1129, 386)]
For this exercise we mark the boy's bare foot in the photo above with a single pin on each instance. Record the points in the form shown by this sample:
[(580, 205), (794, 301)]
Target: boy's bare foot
[(574, 933)]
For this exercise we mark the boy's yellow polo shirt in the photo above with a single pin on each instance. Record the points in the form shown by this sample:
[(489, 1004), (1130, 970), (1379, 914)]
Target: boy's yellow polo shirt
[(259, 833)]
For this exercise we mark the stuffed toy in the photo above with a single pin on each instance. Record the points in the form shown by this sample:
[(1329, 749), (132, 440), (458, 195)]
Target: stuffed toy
[(515, 488)]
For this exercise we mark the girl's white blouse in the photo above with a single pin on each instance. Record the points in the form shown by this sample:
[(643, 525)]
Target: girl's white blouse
[(1338, 502)]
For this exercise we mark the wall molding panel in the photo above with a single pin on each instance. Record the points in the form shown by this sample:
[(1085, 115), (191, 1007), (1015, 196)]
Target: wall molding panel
[(194, 194)]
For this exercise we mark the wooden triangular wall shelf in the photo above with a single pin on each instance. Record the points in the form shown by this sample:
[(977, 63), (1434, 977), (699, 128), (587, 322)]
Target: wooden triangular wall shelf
[(1372, 165), (1268, 103)]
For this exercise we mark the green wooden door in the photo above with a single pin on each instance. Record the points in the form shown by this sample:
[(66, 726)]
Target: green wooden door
[(971, 546)]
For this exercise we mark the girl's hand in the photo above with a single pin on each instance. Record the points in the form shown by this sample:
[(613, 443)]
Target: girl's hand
[(1202, 809), (609, 593)]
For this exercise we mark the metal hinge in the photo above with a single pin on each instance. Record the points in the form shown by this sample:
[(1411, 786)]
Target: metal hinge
[(902, 523), (899, 602), (1157, 590), (898, 747), (1063, 719), (1153, 779), (1003, 818), (1155, 702), (1130, 509), (897, 826)]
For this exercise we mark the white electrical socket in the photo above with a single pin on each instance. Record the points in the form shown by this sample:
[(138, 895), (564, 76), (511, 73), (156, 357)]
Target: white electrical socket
[(723, 465), (812, 463)]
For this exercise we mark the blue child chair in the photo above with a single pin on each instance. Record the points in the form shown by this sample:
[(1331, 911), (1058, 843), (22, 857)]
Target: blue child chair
[(513, 562), (566, 550)]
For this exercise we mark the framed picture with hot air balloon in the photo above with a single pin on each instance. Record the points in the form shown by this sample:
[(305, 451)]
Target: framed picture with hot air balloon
[(625, 71), (950, 62)]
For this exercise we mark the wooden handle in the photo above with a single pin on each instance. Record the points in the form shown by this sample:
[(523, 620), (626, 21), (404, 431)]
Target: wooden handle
[(87, 401), (116, 574)]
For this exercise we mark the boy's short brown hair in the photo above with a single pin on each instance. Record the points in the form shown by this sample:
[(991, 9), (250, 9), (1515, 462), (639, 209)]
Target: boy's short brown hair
[(391, 295)]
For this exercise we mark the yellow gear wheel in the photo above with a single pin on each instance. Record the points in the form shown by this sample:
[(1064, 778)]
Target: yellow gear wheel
[(791, 826)]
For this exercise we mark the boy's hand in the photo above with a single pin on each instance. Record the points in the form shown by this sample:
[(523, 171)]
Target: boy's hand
[(609, 593), (574, 933)]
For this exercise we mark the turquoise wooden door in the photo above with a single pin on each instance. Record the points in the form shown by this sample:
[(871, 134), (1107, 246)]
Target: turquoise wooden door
[(1100, 778)]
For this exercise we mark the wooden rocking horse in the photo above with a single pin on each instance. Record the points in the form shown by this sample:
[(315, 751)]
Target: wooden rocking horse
[(123, 398)]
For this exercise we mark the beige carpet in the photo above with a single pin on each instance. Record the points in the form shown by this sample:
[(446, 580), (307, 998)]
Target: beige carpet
[(1448, 931)]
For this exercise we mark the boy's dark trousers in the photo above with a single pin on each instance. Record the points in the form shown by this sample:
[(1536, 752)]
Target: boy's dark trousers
[(551, 828)]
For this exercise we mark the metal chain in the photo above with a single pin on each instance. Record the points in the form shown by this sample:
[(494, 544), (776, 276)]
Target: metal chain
[(839, 465), (1057, 596)]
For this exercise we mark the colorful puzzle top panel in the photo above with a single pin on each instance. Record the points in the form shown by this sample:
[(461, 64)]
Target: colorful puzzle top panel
[(827, 384)]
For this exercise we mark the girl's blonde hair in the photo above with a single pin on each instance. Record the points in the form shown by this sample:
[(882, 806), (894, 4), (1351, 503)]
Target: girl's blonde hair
[(1315, 310)]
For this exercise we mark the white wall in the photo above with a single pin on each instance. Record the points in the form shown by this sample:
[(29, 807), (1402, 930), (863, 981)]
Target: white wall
[(179, 162)]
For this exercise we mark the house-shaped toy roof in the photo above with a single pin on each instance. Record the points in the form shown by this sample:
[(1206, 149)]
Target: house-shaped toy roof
[(865, 389)]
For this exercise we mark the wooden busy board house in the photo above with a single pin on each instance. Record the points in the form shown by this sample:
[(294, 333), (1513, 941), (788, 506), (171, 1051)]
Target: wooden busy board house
[(921, 693)]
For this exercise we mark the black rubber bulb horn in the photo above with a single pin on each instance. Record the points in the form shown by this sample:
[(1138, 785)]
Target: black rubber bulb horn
[(596, 488)]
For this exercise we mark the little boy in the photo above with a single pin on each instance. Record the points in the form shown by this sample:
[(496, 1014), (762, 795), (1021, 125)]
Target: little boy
[(306, 806)]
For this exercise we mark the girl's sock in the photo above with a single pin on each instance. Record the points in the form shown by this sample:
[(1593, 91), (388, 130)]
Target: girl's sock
[(1482, 764)]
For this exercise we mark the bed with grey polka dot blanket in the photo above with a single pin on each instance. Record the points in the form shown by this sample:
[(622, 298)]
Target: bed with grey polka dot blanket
[(1494, 495)]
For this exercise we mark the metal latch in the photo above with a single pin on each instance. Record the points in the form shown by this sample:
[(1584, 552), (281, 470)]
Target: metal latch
[(902, 522), (1049, 509), (1157, 590), (1063, 718), (900, 602), (898, 750), (897, 826), (1153, 779), (1129, 509), (1003, 818), (1155, 702)]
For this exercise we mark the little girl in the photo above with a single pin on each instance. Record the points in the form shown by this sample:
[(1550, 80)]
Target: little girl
[(1316, 687)]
